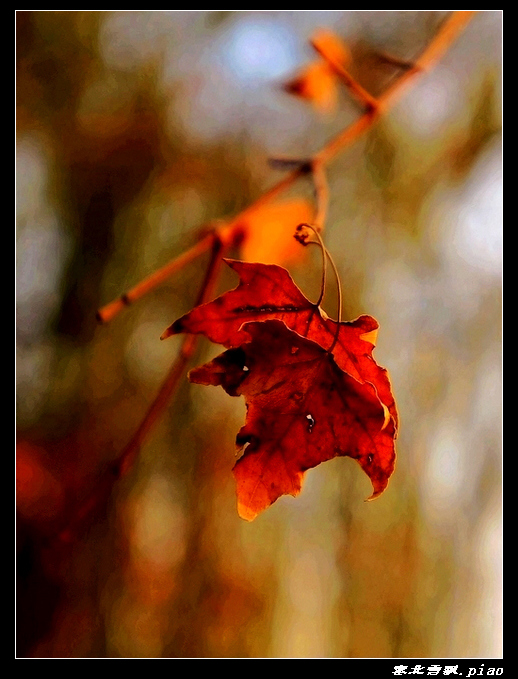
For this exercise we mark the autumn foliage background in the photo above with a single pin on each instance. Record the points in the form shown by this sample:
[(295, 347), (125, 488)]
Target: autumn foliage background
[(136, 129)]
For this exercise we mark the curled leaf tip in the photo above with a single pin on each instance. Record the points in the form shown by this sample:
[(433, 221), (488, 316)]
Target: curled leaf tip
[(174, 329)]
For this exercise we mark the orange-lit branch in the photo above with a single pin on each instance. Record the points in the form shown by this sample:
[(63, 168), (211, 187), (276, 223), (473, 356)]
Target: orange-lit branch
[(356, 89), (448, 32), (155, 279), (187, 349), (83, 513), (321, 194), (227, 234)]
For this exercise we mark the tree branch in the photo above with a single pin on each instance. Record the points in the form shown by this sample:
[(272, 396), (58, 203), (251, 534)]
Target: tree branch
[(448, 32)]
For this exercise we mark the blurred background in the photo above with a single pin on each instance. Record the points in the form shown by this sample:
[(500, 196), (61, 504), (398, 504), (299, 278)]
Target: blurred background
[(136, 129)]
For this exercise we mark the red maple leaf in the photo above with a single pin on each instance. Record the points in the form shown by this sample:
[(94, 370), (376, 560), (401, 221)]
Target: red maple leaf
[(312, 388)]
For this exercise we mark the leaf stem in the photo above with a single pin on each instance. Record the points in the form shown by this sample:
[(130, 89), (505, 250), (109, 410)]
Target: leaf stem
[(339, 292), (303, 240), (325, 255)]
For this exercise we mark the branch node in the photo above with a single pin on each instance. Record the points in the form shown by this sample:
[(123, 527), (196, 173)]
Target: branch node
[(303, 165)]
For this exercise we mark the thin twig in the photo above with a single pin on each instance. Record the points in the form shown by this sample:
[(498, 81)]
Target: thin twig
[(356, 89), (322, 194), (447, 33), (126, 459), (450, 30), (109, 311)]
